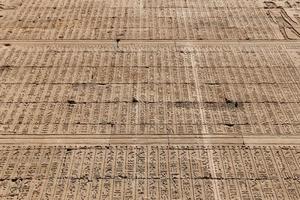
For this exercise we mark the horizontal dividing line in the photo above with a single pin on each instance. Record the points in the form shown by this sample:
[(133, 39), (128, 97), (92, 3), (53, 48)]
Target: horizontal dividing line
[(167, 41), (108, 83), (126, 146), (144, 83), (111, 135), (103, 83), (158, 177), (151, 83), (9, 67), (125, 136), (238, 140), (150, 136), (157, 124), (178, 103)]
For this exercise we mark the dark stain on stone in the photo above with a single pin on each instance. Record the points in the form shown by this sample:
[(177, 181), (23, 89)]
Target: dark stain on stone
[(231, 103), (184, 104), (14, 179), (118, 40), (111, 124), (122, 177), (71, 102), (212, 83), (5, 67), (134, 100)]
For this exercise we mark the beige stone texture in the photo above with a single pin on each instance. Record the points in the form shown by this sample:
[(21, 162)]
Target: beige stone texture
[(149, 99)]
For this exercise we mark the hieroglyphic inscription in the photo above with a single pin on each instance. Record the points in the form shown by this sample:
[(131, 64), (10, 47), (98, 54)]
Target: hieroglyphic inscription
[(149, 89), (149, 172), (145, 19)]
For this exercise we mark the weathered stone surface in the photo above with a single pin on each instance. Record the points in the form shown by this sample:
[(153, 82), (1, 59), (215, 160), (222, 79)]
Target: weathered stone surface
[(149, 172), (170, 99), (152, 89), (149, 19)]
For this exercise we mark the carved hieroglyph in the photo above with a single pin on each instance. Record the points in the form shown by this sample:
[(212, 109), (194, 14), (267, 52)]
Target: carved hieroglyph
[(286, 17)]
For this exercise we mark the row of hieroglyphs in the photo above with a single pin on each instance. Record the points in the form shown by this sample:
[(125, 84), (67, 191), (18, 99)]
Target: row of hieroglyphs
[(149, 172), (283, 16)]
